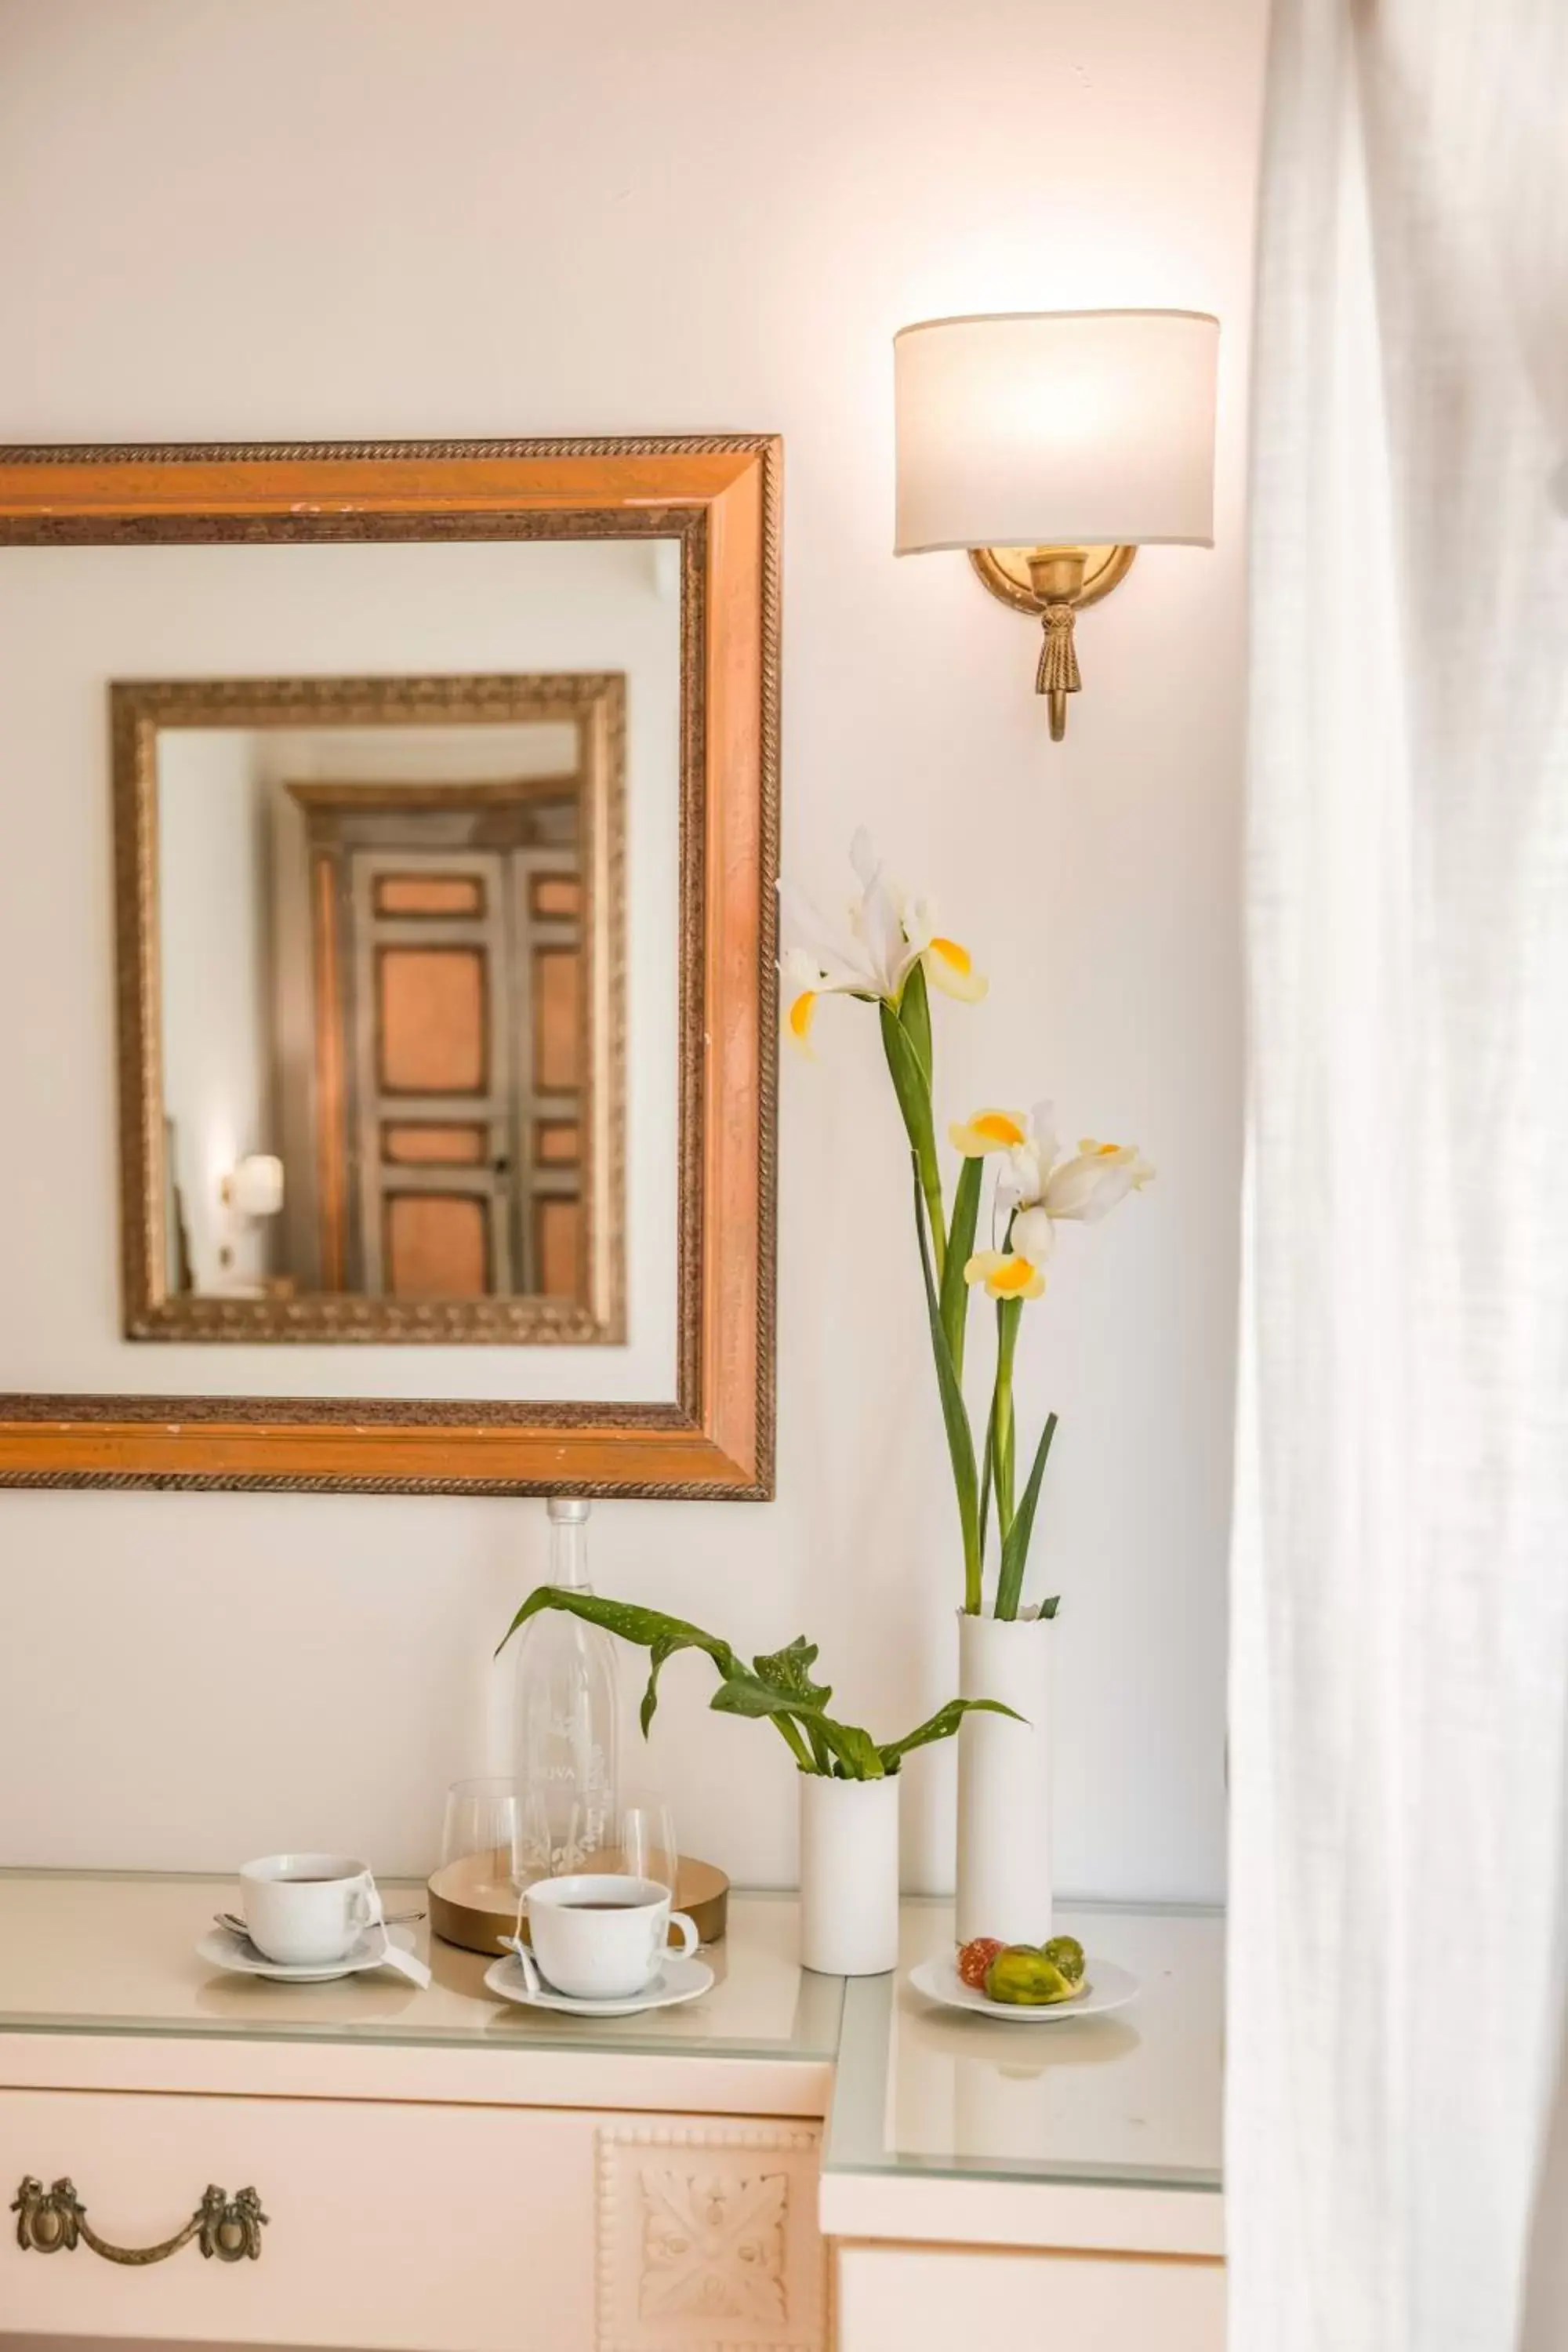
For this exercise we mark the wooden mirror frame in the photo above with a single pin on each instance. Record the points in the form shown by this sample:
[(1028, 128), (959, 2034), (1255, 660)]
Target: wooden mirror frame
[(720, 497)]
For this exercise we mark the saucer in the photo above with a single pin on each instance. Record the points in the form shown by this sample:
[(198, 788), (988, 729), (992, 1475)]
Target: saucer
[(1105, 1987), (238, 1957), (678, 1979)]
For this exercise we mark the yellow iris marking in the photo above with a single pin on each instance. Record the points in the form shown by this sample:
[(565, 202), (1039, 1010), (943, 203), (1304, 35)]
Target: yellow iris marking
[(996, 1128), (800, 1012), (1016, 1276), (951, 952)]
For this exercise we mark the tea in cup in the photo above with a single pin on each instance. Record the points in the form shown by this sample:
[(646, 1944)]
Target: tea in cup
[(599, 1936), (307, 1910)]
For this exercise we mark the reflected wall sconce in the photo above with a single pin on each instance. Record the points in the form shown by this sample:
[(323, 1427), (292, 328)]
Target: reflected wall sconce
[(1052, 445), (254, 1188)]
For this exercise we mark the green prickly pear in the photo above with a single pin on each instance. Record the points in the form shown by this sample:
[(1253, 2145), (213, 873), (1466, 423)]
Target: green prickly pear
[(1067, 1952), (1025, 1979)]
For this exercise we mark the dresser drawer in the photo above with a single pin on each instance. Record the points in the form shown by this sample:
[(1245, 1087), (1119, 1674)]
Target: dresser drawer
[(922, 2299), (421, 2227)]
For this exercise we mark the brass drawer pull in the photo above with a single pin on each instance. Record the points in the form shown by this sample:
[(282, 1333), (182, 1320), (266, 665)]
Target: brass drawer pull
[(50, 2222)]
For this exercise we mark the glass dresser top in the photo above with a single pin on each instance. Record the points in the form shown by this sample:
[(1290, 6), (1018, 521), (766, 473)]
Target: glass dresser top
[(115, 1952), (1130, 2099)]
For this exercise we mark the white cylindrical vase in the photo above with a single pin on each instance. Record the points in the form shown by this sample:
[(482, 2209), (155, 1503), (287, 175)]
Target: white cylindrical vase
[(849, 1875), (1005, 1781)]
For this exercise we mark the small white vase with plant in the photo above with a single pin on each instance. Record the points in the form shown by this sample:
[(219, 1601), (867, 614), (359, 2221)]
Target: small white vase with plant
[(890, 955), (848, 1782)]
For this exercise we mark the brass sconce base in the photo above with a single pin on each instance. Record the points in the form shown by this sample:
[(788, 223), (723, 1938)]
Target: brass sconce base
[(1053, 585)]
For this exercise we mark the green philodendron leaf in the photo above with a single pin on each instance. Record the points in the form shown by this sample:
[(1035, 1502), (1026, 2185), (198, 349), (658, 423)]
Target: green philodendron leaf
[(647, 1628), (789, 1671), (626, 1619), (941, 1725), (1015, 1546), (744, 1693), (855, 1752), (776, 1687), (659, 1656)]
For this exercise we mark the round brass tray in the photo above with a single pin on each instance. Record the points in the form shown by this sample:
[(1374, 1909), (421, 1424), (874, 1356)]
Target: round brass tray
[(472, 1905)]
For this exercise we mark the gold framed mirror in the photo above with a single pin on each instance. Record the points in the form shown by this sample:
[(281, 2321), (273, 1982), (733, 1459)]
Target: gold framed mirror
[(516, 1002), (411, 982)]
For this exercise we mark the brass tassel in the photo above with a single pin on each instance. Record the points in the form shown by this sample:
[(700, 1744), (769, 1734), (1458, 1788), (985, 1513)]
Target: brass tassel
[(1058, 672), (1058, 675)]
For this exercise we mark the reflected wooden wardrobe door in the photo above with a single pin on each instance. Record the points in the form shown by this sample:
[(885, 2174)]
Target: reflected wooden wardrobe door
[(433, 992), (452, 1068)]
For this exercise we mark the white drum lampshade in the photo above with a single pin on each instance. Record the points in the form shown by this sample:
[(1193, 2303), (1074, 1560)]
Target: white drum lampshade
[(1056, 428), (1052, 444)]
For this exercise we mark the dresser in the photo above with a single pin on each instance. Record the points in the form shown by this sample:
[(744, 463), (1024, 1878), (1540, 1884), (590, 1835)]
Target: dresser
[(1052, 2185), (788, 2164)]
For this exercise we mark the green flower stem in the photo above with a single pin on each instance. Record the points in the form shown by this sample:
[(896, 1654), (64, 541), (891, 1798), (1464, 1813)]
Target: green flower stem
[(914, 1090), (955, 1419), (1009, 1313), (914, 1013)]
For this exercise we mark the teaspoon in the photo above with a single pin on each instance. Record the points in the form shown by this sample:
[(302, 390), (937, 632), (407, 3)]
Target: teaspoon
[(236, 1926)]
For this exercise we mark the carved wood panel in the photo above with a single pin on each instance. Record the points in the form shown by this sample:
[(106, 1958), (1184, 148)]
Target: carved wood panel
[(707, 2238)]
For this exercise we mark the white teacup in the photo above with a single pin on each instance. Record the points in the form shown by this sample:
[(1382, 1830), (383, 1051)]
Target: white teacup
[(602, 1936), (306, 1910)]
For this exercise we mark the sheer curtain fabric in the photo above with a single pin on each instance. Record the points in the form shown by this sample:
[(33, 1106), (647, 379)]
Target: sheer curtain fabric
[(1400, 1580)]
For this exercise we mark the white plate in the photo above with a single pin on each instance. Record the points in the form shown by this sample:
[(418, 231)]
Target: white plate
[(1106, 1987), (679, 1980), (238, 1957)]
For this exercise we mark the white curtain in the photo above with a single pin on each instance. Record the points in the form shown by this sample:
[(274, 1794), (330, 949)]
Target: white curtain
[(1400, 1658)]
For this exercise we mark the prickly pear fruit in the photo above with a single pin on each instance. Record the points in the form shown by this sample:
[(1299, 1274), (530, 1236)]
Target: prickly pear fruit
[(1066, 1953), (1025, 1979), (975, 1957)]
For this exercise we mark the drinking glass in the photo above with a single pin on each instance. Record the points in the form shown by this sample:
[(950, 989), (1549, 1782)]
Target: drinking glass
[(639, 1842), (493, 1829), (646, 1837)]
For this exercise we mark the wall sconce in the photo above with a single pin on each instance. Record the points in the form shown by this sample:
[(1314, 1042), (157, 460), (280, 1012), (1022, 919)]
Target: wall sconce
[(255, 1188), (1052, 445)]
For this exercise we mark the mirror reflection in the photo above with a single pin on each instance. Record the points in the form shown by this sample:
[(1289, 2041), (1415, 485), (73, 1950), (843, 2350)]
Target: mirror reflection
[(388, 948)]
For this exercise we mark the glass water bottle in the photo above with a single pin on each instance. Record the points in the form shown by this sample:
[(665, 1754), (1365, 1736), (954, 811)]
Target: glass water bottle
[(565, 1717)]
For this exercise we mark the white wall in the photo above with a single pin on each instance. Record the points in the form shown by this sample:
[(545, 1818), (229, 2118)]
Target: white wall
[(215, 962), (324, 218)]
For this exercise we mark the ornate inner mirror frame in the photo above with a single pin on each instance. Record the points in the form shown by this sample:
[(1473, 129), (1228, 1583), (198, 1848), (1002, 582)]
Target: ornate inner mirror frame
[(593, 704), (720, 497)]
